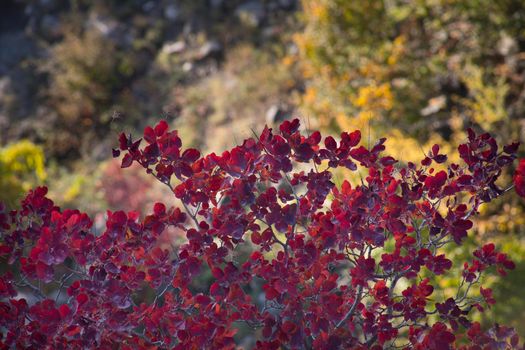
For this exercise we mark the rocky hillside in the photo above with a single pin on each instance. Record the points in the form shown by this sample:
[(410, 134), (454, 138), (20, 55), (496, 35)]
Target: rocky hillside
[(73, 73)]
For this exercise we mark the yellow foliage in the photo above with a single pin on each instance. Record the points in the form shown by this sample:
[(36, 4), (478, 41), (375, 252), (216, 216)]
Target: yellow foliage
[(21, 167), (408, 149), (397, 51), (310, 96), (374, 97), (75, 189), (316, 10), (23, 157)]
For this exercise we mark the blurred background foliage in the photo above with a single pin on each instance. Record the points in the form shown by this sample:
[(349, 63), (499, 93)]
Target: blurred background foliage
[(21, 167), (75, 73)]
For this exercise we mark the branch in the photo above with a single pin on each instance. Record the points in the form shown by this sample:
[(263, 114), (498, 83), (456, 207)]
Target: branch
[(352, 308)]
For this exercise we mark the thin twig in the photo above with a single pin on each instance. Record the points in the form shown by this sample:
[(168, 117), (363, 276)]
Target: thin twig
[(352, 308)]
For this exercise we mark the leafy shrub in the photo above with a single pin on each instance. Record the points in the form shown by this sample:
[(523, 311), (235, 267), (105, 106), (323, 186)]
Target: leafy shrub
[(125, 190), (21, 167), (329, 266), (87, 75)]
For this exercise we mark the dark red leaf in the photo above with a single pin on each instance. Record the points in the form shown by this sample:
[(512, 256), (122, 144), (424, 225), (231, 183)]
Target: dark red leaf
[(330, 143), (149, 135), (190, 155), (161, 128), (127, 160)]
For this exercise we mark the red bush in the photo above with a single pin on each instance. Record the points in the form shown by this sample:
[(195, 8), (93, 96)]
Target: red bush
[(327, 267), (125, 190)]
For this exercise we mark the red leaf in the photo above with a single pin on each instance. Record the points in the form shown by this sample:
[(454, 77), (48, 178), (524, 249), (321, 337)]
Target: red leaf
[(161, 128), (289, 327), (149, 135), (202, 299), (270, 292), (435, 150), (330, 143), (82, 298), (437, 181), (64, 310), (126, 161), (289, 127), (216, 290), (190, 155), (123, 142), (355, 137), (315, 138), (159, 209), (44, 272)]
